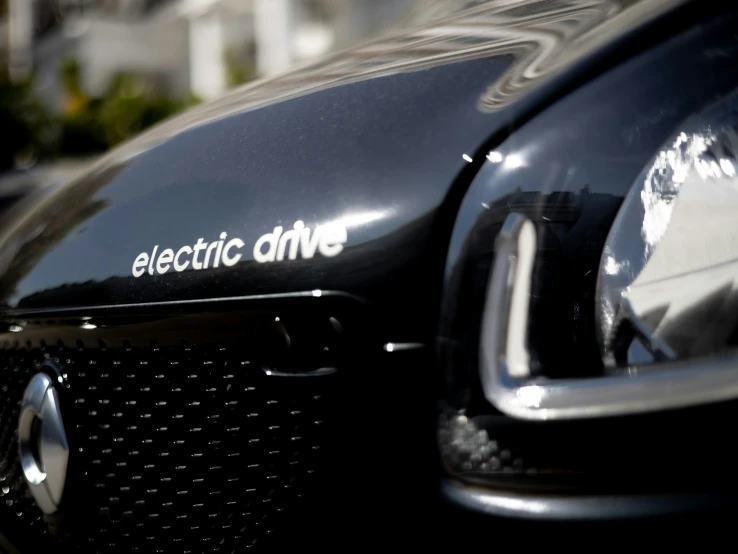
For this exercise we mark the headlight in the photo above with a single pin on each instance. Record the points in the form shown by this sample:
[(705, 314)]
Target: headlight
[(590, 315)]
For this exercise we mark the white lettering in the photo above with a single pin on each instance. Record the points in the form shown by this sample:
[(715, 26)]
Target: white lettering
[(272, 239), (293, 237), (216, 263), (228, 260), (199, 245), (298, 226), (213, 246), (151, 260), (181, 267), (307, 246), (277, 246), (140, 263), (165, 258), (332, 239)]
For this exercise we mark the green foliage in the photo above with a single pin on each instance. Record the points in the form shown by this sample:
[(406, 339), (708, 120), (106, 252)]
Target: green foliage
[(71, 76), (130, 104), (237, 72), (88, 125)]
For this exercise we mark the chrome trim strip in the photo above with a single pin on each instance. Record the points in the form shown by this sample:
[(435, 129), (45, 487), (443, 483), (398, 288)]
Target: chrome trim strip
[(321, 372), (401, 346), (15, 313), (504, 364), (561, 507)]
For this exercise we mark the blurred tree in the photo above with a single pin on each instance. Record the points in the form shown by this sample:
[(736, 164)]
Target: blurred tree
[(130, 104), (88, 125), (27, 131), (238, 72), (71, 78)]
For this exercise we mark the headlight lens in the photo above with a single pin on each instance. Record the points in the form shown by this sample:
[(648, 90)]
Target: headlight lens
[(668, 272)]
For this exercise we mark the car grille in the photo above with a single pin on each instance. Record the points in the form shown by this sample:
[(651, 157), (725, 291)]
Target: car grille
[(176, 445)]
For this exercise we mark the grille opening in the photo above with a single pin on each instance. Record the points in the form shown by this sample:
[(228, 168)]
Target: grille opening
[(176, 431)]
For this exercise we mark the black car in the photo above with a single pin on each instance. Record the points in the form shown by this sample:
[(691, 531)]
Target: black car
[(472, 281)]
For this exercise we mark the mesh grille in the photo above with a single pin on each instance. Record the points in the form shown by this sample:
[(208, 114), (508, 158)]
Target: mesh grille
[(173, 449), (17, 508)]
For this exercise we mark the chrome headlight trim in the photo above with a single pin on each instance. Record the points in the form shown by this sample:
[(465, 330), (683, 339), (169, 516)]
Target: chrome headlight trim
[(504, 359)]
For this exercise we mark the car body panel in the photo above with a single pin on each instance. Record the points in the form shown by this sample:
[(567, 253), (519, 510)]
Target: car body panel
[(376, 138)]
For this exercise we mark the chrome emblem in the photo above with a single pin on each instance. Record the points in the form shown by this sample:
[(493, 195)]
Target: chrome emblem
[(42, 442)]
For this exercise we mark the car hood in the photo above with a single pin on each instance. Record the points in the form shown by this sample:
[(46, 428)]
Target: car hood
[(376, 143)]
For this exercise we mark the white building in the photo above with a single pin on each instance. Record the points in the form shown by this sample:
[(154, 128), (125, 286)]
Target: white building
[(181, 44)]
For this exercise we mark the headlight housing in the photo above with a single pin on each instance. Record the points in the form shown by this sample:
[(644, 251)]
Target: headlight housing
[(566, 378)]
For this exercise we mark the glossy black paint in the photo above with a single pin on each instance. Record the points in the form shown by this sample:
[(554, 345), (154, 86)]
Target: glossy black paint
[(378, 161), (379, 147), (387, 147), (568, 170)]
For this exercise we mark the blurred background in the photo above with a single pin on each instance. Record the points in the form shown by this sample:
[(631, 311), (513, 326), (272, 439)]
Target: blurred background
[(79, 76)]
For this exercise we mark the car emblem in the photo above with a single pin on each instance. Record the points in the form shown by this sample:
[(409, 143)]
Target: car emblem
[(42, 442)]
